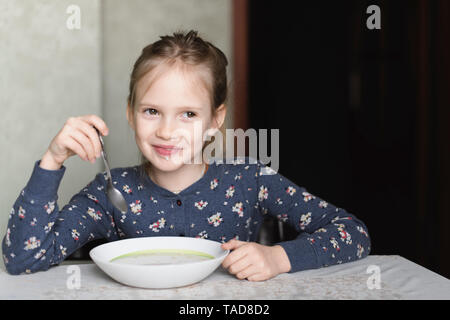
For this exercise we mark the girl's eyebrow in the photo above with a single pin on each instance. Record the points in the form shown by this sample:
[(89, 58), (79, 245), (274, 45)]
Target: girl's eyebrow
[(159, 107)]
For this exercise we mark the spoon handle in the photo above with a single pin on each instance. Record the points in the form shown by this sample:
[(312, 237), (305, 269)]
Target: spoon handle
[(108, 171)]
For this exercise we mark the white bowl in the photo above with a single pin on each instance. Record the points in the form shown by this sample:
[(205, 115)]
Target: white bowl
[(159, 262)]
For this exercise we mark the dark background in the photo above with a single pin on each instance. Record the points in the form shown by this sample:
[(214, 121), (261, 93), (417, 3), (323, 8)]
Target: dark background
[(363, 114)]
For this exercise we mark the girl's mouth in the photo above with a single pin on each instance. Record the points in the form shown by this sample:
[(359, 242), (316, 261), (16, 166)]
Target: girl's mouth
[(165, 150)]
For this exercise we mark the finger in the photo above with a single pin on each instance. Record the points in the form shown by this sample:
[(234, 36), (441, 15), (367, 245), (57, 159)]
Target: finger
[(85, 143), (239, 265), (258, 276), (75, 147), (233, 244), (97, 122), (78, 129), (247, 273), (93, 137), (234, 256)]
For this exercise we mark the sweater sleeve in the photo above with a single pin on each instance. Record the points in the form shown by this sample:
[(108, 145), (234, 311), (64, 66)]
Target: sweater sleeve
[(327, 235), (40, 235)]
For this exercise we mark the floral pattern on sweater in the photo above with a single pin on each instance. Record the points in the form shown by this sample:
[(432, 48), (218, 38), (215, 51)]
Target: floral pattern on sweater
[(228, 202)]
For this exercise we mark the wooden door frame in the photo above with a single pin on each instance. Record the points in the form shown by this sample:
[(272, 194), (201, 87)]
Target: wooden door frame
[(240, 69)]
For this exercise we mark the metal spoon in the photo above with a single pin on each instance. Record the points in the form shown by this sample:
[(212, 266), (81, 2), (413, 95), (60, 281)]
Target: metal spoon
[(114, 195)]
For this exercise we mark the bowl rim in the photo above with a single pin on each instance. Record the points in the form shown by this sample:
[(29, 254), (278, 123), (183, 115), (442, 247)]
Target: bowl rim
[(222, 255)]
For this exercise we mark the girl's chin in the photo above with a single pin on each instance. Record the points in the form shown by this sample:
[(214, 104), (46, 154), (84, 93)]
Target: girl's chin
[(166, 161)]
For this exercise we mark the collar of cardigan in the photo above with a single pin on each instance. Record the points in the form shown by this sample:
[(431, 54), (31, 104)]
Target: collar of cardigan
[(199, 185)]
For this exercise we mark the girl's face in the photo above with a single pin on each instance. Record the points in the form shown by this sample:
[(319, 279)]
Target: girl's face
[(172, 119)]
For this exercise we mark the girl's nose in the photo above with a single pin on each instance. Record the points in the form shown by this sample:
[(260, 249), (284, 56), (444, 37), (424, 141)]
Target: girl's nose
[(164, 130)]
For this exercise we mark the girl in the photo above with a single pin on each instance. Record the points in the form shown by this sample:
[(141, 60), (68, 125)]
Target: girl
[(177, 96)]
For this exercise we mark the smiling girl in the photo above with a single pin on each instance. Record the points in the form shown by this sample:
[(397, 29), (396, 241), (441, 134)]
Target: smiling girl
[(177, 98)]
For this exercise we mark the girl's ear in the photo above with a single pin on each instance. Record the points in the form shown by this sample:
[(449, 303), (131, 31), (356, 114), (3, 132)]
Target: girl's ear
[(219, 118), (130, 117)]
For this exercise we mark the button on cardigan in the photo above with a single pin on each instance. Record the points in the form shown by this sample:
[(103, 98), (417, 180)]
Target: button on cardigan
[(228, 202)]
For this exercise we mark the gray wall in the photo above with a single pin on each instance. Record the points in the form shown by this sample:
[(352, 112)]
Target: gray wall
[(49, 73)]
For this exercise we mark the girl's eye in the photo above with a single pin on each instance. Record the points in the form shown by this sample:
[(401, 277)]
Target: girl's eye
[(189, 114), (152, 111)]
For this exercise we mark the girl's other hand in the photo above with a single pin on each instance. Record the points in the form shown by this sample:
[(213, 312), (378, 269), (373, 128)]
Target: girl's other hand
[(78, 136), (255, 262)]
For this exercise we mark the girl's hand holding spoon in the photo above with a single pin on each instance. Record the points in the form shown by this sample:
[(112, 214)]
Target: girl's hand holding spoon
[(77, 137)]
